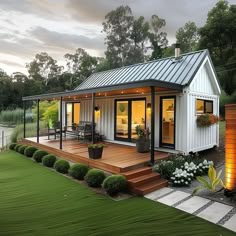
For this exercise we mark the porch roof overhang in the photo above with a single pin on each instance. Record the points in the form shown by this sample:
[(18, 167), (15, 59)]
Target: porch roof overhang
[(136, 84)]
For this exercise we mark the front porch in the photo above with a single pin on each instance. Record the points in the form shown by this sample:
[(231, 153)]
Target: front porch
[(116, 158)]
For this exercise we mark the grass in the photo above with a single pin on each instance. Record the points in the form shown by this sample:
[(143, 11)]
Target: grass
[(37, 201)]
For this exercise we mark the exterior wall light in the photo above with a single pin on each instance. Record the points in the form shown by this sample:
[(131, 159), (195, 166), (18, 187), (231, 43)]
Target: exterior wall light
[(149, 106), (96, 108)]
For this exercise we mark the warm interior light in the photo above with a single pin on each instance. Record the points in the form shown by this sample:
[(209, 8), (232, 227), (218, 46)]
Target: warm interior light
[(149, 106), (230, 147)]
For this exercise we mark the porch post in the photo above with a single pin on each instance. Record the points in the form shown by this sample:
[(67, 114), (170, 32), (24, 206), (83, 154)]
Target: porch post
[(61, 122), (24, 106), (93, 116), (152, 153), (38, 120)]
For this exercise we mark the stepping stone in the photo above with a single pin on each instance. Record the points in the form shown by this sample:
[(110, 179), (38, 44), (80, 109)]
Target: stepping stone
[(231, 223), (215, 212), (173, 198), (158, 193), (193, 204)]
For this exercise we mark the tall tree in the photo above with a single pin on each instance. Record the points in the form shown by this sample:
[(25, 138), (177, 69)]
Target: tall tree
[(157, 38), (188, 37), (43, 68), (219, 36), (118, 28), (80, 65)]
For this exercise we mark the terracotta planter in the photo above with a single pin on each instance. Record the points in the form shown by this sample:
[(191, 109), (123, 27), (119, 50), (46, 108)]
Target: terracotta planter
[(143, 145), (95, 153)]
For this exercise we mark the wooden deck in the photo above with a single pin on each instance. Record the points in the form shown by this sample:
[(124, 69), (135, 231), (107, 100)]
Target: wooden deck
[(116, 158)]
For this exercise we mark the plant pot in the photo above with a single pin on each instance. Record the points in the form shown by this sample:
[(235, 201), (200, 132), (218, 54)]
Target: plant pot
[(143, 145), (95, 153)]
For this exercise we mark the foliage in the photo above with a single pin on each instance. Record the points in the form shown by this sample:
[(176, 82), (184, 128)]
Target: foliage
[(218, 35), (13, 116), (62, 166), (78, 171), (49, 160), (99, 145), (180, 170), (29, 151), (17, 147), (12, 146), (115, 184), (31, 128), (226, 99), (204, 120), (212, 182), (188, 37), (141, 132), (39, 154), (95, 178), (21, 149)]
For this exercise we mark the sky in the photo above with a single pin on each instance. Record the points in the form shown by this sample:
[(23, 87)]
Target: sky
[(28, 27)]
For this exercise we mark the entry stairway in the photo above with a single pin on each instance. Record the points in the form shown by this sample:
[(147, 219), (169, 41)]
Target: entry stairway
[(142, 180)]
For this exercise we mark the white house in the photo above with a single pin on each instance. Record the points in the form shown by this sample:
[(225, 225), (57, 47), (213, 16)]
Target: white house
[(165, 95)]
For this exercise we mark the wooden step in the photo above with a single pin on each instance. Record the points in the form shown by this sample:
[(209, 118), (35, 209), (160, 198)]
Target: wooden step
[(144, 179), (136, 173), (149, 187)]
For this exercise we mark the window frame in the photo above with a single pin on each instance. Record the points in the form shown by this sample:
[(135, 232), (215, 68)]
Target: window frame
[(204, 106)]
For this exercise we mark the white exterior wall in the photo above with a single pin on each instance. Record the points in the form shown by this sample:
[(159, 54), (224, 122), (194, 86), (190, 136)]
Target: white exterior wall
[(202, 87)]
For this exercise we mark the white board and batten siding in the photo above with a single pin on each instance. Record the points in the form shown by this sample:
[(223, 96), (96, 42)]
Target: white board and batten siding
[(203, 86)]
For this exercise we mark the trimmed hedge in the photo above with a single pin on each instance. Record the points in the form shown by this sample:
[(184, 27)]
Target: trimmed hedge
[(62, 166), (49, 160), (17, 147), (22, 149), (39, 154), (12, 146), (114, 184), (78, 171), (29, 151), (94, 178)]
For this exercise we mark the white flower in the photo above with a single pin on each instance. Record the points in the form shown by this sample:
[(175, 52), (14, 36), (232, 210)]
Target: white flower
[(186, 182)]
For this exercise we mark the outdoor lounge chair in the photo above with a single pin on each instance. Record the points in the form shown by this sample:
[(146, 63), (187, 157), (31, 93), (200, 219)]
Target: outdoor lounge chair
[(55, 130)]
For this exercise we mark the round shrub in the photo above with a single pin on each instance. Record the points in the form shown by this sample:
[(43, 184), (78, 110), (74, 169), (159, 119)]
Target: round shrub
[(94, 178), (38, 155), (17, 147), (78, 171), (114, 184), (12, 146), (62, 166), (49, 160), (22, 148), (29, 151)]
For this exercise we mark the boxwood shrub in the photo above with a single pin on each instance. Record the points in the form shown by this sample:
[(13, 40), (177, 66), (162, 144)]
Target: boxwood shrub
[(94, 178), (78, 171), (49, 160), (17, 147), (29, 151), (22, 148), (39, 154), (114, 184), (12, 146), (62, 166)]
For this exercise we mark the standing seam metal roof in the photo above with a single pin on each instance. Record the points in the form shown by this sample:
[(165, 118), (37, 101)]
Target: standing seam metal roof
[(168, 70)]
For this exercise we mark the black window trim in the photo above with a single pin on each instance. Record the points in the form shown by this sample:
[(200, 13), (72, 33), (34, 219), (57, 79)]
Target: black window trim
[(204, 106)]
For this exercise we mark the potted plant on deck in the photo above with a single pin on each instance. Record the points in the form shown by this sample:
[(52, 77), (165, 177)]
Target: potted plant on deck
[(143, 141), (95, 151)]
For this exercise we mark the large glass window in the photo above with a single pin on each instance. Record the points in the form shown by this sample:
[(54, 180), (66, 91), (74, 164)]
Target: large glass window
[(72, 113), (204, 106), (129, 114)]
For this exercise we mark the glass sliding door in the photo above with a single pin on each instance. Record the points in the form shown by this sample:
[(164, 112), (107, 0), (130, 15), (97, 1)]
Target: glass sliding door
[(72, 113), (167, 122), (129, 113)]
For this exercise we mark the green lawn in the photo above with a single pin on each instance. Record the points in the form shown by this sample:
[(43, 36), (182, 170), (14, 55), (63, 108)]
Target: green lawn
[(37, 201)]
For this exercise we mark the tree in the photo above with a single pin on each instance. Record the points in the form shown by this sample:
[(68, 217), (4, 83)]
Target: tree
[(188, 37), (80, 65), (118, 29), (158, 39), (219, 36), (43, 68)]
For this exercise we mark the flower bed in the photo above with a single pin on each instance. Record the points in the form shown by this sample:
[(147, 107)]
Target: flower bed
[(205, 120)]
